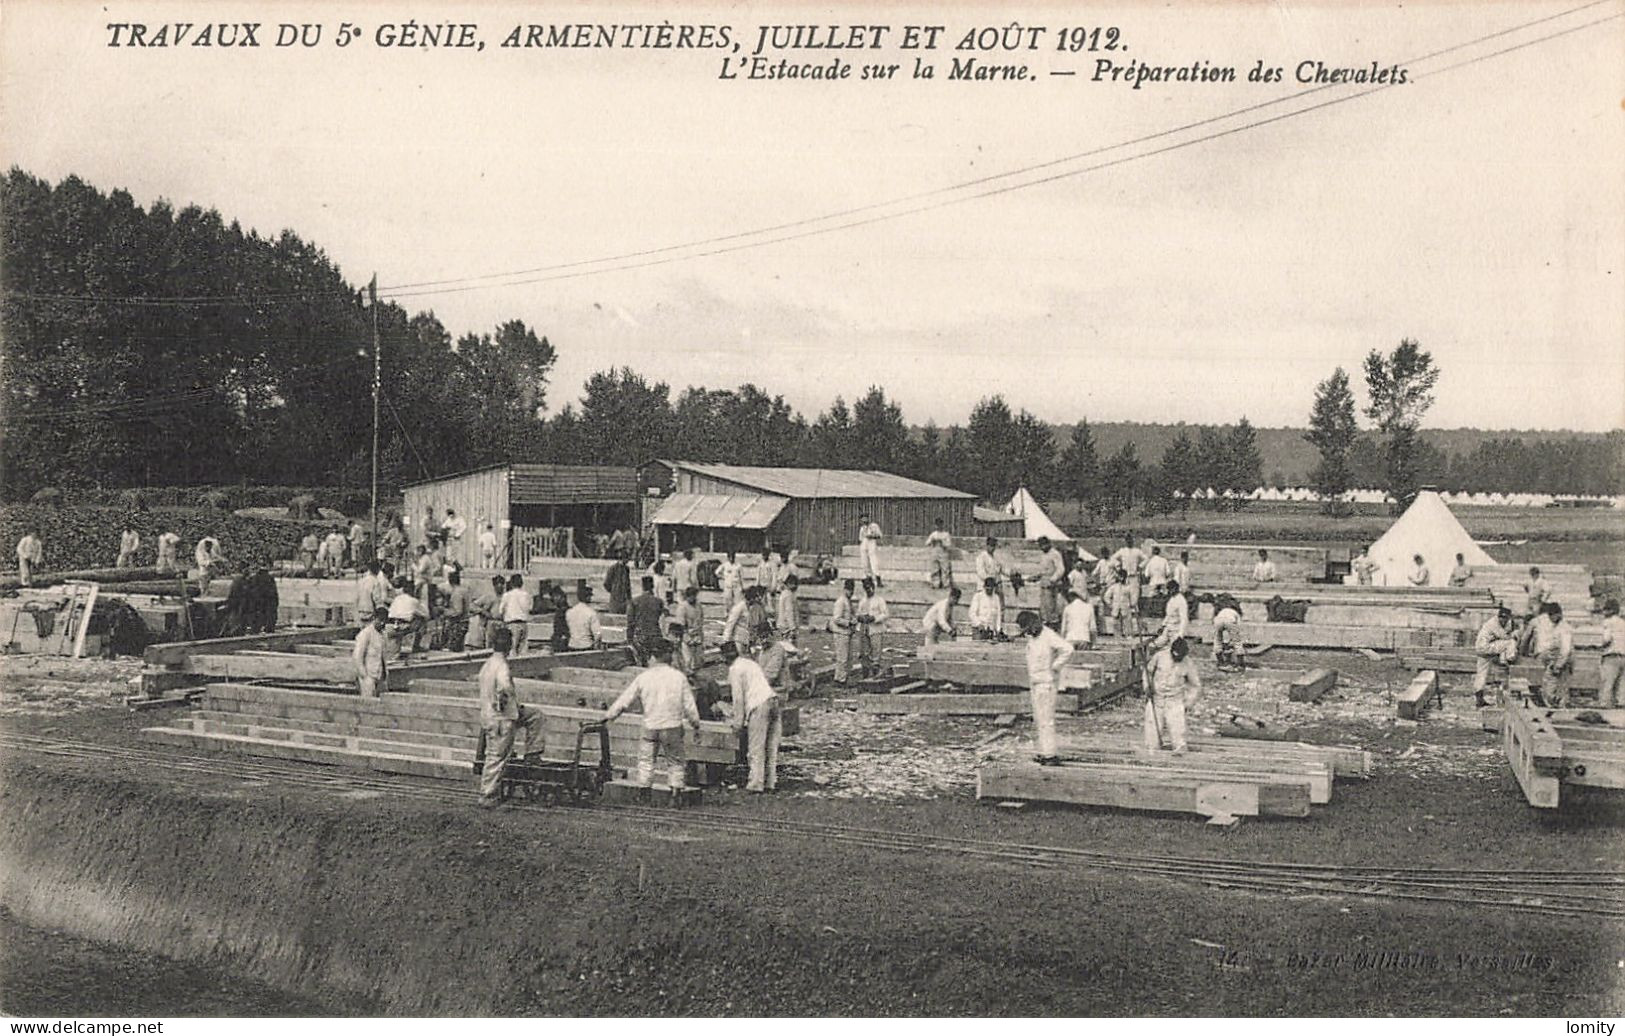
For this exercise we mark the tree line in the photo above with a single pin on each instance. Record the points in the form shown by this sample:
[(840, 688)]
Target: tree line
[(164, 346)]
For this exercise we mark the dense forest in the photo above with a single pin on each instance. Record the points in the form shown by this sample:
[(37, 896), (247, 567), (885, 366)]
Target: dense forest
[(164, 346)]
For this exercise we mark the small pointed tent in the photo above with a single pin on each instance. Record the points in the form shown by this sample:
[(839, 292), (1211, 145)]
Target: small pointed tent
[(1430, 529), (1023, 506)]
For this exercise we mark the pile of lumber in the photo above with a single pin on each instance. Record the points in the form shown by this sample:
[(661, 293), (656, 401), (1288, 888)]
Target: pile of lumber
[(1571, 585), (430, 729), (1587, 674), (976, 678), (320, 656), (1550, 748), (1218, 778), (1212, 564)]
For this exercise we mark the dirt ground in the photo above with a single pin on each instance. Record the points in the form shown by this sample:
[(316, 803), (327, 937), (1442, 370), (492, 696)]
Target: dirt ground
[(621, 919)]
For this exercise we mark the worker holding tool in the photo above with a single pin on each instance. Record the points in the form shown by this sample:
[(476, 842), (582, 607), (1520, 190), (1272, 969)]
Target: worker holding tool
[(873, 614), (1227, 646), (842, 625), (1176, 617), (756, 715), (1047, 654), (369, 654), (1175, 687), (501, 716), (668, 704), (869, 535), (1051, 581), (942, 565)]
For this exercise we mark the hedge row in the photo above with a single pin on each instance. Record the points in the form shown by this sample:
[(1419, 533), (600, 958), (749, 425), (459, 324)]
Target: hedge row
[(225, 498), (88, 537)]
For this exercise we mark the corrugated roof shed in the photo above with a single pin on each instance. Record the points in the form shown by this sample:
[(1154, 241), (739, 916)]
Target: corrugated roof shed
[(720, 510), (816, 483)]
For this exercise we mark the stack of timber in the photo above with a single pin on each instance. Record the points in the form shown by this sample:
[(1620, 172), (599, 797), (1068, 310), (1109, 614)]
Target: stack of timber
[(1571, 585), (322, 656), (1218, 778), (578, 686), (422, 734), (1212, 564), (1550, 748), (1587, 675), (991, 680)]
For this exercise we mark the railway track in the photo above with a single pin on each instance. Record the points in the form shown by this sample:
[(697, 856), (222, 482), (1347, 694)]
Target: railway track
[(1572, 893)]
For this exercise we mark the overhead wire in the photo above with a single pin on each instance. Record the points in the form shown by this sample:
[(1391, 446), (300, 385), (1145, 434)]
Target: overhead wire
[(805, 227)]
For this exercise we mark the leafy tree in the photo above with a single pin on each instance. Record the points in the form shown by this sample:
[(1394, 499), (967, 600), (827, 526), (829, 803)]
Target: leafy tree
[(1079, 472), (1120, 482), (1244, 471), (625, 419), (830, 439), (1180, 472), (1332, 431), (1401, 390), (879, 437), (1212, 462), (993, 444), (1033, 462)]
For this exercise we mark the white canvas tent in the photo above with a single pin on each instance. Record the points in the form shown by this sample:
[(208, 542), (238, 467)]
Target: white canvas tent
[(1023, 506), (1430, 529)]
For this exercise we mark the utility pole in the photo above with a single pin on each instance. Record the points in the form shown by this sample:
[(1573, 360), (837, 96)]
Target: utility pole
[(377, 382)]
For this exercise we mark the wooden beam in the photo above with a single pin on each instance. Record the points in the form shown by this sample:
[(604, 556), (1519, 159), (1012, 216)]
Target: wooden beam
[(1313, 685), (1344, 760), (1535, 753), (1413, 699), (1318, 775), (1090, 785), (176, 653)]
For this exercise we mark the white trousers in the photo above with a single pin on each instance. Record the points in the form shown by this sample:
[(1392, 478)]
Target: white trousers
[(499, 746), (1165, 722), (871, 560), (764, 730), (1043, 696), (666, 744)]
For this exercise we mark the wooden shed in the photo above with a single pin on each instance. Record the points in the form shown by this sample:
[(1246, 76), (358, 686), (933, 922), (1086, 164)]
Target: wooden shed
[(722, 507), (534, 509)]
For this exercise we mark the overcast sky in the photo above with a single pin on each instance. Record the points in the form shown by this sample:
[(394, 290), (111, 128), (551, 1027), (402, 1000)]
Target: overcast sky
[(1480, 210)]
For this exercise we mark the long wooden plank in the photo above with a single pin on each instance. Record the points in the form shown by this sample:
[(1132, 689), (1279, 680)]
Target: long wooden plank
[(1313, 685), (1345, 760), (176, 653), (379, 761), (1083, 784), (1317, 774)]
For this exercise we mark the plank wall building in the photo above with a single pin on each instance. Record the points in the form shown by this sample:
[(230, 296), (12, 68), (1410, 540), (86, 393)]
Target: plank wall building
[(720, 507), (524, 503)]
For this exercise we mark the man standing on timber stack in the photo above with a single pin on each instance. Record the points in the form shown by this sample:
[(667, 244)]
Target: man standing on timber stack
[(1264, 571), (668, 703), (129, 542), (1419, 574), (1181, 571), (1362, 566), (730, 577), (501, 716), (990, 569), (1175, 687), (360, 548), (755, 714), (369, 653), (1612, 687), (938, 624), (1495, 645), (770, 577), (1047, 654), (30, 556), (1462, 572), (1157, 571), (869, 543), (208, 557), (454, 623), (842, 624), (1051, 580), (942, 565), (586, 631), (1555, 650)]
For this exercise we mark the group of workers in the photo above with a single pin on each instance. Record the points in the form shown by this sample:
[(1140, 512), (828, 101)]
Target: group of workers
[(1542, 633), (207, 556)]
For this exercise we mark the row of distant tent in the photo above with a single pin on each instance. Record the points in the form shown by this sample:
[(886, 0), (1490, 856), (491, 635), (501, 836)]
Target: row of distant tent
[(1302, 494)]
